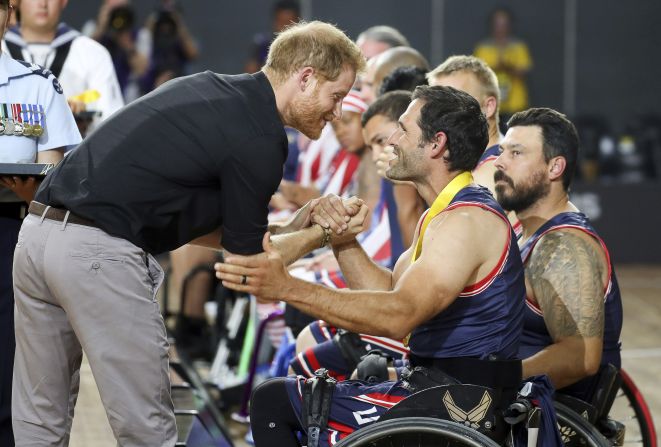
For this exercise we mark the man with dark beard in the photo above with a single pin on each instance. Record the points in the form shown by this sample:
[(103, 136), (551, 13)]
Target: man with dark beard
[(201, 155), (573, 315)]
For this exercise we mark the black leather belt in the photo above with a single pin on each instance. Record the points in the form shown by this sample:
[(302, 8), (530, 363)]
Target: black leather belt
[(484, 372), (58, 214)]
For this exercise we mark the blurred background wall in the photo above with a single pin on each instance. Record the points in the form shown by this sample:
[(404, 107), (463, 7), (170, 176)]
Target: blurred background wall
[(617, 68)]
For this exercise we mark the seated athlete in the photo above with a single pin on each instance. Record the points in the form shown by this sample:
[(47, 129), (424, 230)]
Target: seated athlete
[(458, 290), (573, 316), (319, 344)]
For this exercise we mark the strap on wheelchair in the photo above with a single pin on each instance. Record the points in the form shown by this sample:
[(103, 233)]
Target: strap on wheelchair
[(351, 347), (317, 397), (421, 378), (373, 367), (490, 372)]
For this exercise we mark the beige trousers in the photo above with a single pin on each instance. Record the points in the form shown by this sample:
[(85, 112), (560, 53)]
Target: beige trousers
[(79, 289)]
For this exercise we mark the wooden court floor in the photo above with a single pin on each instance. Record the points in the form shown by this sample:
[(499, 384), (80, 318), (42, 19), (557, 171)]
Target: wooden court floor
[(641, 337)]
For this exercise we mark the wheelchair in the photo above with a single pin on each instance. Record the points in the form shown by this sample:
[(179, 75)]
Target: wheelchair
[(420, 420)]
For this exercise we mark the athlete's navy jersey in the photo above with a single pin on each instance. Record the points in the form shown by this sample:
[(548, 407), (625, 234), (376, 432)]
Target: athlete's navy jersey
[(490, 154), (487, 316), (535, 334)]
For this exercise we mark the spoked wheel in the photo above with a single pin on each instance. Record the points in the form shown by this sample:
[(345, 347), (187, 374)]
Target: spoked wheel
[(416, 432), (630, 409), (576, 431)]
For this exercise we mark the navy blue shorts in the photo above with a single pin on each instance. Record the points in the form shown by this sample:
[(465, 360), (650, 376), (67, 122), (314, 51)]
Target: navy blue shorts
[(355, 404), (326, 354)]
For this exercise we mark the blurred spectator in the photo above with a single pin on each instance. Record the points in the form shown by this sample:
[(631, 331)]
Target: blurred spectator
[(473, 76), (80, 64), (382, 65), (285, 12), (377, 39), (403, 78), (116, 30), (172, 47), (509, 58)]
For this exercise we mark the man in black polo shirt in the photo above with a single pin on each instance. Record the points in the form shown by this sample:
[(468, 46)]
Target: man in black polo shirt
[(196, 160)]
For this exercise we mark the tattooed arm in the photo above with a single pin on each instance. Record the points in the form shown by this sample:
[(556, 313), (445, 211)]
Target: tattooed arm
[(567, 272)]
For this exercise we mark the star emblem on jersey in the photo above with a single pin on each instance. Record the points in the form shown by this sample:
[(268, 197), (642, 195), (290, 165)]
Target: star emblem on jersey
[(472, 417)]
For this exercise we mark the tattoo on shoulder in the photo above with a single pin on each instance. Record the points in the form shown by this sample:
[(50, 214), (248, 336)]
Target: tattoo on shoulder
[(566, 271)]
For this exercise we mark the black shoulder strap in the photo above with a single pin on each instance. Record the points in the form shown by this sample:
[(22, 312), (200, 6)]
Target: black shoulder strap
[(317, 399), (15, 51), (60, 56)]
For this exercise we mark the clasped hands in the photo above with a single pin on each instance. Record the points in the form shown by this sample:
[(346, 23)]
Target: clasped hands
[(265, 275)]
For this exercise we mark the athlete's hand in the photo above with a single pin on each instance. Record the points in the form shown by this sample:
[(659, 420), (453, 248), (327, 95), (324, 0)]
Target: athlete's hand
[(332, 212), (24, 189), (263, 275), (355, 226), (383, 160)]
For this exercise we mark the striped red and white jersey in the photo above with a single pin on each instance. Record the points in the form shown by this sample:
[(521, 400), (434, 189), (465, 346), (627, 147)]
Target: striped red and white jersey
[(315, 159)]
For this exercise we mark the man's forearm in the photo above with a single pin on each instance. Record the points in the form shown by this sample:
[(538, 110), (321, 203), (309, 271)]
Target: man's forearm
[(565, 362), (369, 312), (293, 246), (359, 270)]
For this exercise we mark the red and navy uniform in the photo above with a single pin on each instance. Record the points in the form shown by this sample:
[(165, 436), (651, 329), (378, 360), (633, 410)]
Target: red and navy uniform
[(490, 154), (535, 334), (327, 354), (487, 318), (383, 243)]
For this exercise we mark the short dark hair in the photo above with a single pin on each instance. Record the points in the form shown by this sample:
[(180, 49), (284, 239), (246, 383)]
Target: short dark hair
[(559, 136), (458, 115), (391, 105), (403, 78)]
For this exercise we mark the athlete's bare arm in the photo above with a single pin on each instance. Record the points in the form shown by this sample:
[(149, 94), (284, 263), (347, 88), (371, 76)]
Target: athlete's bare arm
[(484, 175), (457, 251), (567, 272)]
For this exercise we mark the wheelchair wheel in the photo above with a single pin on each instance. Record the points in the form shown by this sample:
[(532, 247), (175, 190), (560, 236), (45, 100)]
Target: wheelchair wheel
[(576, 431), (418, 432), (630, 409)]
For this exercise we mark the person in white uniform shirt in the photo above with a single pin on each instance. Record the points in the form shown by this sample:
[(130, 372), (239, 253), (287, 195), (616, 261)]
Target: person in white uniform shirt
[(80, 63), (36, 125)]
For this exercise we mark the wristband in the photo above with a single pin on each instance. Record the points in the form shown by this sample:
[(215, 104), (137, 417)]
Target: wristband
[(326, 238)]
